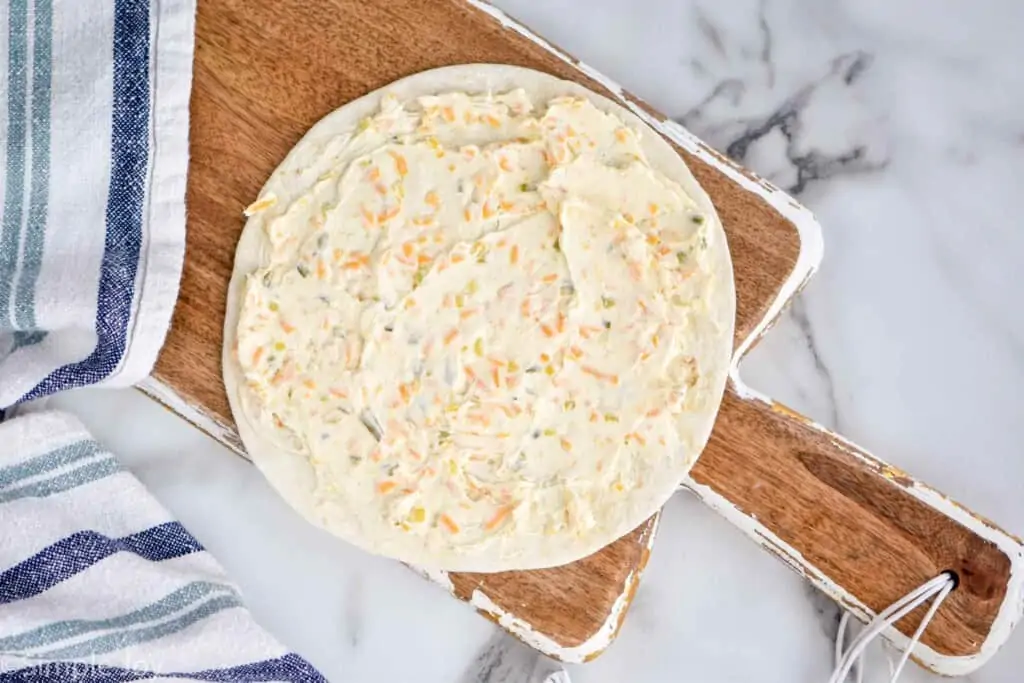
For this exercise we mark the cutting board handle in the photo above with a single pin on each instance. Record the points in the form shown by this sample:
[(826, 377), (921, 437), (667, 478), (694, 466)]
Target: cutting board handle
[(861, 530)]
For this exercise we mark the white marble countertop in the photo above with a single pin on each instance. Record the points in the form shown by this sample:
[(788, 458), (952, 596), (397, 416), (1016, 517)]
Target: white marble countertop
[(900, 125)]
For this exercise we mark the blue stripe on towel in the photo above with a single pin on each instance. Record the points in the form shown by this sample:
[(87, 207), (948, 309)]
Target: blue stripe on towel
[(81, 550), (290, 669), (125, 203), (14, 189)]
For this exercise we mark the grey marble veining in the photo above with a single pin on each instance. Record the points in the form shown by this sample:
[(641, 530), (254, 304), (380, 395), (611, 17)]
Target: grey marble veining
[(503, 659), (900, 125)]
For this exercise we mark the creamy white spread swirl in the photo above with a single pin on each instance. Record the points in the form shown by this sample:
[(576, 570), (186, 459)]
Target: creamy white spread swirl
[(480, 322)]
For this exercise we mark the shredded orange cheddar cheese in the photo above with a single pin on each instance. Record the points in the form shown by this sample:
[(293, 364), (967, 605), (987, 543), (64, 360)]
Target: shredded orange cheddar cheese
[(401, 165), (495, 521), (449, 523)]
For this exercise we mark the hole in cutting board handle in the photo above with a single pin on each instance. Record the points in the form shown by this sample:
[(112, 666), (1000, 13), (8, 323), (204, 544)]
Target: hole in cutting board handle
[(955, 576)]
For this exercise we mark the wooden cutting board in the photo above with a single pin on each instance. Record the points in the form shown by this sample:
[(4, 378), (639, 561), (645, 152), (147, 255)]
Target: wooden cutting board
[(862, 531)]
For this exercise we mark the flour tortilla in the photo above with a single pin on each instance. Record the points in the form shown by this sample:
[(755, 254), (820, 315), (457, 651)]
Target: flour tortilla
[(290, 473)]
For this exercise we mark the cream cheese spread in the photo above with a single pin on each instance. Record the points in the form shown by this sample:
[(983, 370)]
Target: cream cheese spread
[(485, 322)]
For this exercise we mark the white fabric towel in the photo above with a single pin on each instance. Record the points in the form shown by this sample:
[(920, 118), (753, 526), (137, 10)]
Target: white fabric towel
[(99, 584), (93, 155)]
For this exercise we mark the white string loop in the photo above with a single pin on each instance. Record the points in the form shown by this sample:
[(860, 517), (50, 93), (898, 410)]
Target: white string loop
[(845, 659)]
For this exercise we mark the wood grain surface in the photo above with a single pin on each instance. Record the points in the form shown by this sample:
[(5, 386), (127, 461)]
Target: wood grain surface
[(568, 603), (855, 523), (265, 71)]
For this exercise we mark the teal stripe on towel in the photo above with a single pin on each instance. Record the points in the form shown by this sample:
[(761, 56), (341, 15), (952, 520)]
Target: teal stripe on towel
[(52, 460), (125, 639), (64, 482), (53, 633), (23, 339), (14, 178), (39, 194)]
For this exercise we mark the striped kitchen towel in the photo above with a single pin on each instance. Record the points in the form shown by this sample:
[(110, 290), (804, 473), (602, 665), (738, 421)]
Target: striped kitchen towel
[(93, 155), (99, 584)]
